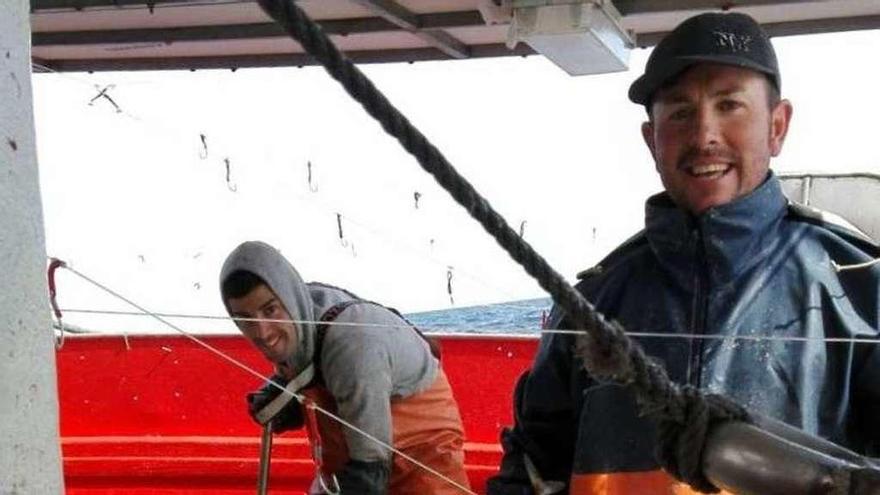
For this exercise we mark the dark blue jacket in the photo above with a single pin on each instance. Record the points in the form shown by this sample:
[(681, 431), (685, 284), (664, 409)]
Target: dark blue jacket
[(745, 297)]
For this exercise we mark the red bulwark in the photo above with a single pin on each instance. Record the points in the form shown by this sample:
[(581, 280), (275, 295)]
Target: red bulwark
[(168, 416)]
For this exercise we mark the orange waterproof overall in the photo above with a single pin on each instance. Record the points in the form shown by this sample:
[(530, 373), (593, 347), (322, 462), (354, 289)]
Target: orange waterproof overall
[(426, 426), (635, 483)]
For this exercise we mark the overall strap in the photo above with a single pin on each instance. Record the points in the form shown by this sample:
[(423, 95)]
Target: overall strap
[(433, 345), (334, 311)]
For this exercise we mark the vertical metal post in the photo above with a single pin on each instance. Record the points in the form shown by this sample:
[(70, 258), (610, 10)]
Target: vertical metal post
[(807, 190), (30, 454), (265, 459)]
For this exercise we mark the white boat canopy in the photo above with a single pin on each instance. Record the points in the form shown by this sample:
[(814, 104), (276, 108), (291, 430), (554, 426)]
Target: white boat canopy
[(98, 35)]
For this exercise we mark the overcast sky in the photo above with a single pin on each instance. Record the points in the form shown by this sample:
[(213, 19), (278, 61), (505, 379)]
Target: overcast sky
[(129, 201)]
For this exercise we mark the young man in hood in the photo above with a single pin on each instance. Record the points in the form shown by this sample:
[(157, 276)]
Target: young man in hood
[(358, 359), (742, 281)]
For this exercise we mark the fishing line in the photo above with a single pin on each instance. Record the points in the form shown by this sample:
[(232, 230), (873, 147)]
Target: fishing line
[(490, 332)]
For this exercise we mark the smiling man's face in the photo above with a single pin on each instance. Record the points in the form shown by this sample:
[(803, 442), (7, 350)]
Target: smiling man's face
[(712, 134), (275, 339)]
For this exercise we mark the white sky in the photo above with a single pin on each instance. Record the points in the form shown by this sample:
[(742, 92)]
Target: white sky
[(128, 201)]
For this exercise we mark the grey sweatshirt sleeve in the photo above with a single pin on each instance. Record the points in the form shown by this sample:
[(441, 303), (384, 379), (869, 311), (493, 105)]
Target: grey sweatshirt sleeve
[(364, 367)]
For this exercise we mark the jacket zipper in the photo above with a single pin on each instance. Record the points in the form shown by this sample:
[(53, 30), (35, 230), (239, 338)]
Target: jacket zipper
[(699, 311)]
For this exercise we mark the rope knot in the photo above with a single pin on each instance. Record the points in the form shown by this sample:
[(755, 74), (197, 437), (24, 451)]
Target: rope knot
[(682, 431), (606, 355)]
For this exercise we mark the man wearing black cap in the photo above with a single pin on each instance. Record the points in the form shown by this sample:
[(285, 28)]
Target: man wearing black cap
[(738, 285)]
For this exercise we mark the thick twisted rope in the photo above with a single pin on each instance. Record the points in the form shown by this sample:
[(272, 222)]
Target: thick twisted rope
[(611, 355), (608, 354)]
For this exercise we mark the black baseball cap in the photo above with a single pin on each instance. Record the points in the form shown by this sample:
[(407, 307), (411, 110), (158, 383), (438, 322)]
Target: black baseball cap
[(720, 38)]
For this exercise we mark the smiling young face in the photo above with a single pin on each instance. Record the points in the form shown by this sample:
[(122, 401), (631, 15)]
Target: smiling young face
[(275, 339), (712, 134)]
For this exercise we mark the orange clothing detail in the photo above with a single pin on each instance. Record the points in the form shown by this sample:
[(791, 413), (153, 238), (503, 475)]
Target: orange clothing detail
[(426, 426), (635, 483)]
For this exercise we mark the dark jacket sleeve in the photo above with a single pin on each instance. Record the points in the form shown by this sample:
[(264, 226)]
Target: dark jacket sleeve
[(863, 291), (867, 401), (544, 419)]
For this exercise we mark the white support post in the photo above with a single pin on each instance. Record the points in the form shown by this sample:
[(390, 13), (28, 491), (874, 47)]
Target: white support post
[(30, 458)]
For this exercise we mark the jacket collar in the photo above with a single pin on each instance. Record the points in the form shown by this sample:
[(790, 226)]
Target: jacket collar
[(724, 240)]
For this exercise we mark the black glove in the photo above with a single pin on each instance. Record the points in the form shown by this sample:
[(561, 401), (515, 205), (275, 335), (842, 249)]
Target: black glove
[(364, 478), (680, 441), (290, 417)]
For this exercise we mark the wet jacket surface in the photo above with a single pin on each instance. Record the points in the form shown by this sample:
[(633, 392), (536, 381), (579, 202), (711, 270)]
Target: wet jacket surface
[(758, 271)]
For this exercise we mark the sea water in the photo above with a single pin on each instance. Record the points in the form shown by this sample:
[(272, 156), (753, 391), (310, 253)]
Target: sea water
[(519, 317)]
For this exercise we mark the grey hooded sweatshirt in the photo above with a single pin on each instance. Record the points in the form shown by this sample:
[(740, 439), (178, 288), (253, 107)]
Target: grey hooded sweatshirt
[(369, 354)]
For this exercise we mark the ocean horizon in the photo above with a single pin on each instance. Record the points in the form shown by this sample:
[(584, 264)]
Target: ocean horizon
[(512, 317)]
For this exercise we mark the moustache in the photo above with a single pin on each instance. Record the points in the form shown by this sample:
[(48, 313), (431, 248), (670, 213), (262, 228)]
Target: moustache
[(692, 155)]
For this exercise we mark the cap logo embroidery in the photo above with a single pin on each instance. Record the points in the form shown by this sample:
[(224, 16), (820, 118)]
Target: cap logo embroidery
[(733, 41)]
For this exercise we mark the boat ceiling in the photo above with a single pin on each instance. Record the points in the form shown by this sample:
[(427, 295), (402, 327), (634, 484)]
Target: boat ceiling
[(99, 35)]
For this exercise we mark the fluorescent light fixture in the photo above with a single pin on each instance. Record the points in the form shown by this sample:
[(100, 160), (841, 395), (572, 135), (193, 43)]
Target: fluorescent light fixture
[(580, 36)]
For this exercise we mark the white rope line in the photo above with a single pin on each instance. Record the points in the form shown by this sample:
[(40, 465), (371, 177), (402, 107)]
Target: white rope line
[(233, 318), (489, 331), (300, 398), (777, 338), (857, 266)]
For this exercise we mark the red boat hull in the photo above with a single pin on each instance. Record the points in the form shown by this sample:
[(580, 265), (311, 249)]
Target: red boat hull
[(167, 416)]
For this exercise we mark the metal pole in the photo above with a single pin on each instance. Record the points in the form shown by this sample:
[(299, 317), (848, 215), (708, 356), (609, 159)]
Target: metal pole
[(265, 459), (30, 454), (772, 458)]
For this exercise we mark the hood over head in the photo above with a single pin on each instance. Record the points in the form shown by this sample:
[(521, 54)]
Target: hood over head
[(281, 277)]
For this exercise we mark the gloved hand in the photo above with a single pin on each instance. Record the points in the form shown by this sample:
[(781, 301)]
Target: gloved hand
[(290, 417), (681, 439), (364, 478)]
